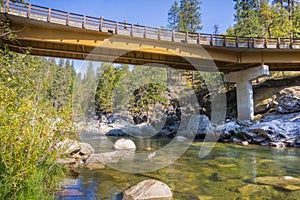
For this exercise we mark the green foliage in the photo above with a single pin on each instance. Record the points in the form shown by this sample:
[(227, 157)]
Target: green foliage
[(137, 90), (262, 18), (173, 16), (147, 89), (108, 79), (186, 16), (84, 93), (29, 128)]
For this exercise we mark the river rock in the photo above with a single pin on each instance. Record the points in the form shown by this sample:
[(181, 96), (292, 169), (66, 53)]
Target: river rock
[(95, 166), (132, 130), (181, 138), (289, 101), (286, 182), (124, 144), (148, 190), (69, 193), (164, 133), (110, 157), (204, 125), (124, 118), (66, 161), (86, 149), (147, 131)]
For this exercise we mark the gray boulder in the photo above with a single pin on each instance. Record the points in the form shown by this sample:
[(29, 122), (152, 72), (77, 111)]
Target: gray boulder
[(148, 190), (146, 130), (132, 130), (289, 101), (204, 125), (86, 149)]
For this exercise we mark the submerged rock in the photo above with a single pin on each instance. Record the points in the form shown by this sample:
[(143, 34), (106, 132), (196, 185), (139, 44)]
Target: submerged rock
[(68, 193), (95, 166), (148, 190), (286, 182)]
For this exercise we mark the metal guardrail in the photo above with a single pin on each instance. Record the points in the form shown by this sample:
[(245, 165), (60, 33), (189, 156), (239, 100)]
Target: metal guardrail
[(134, 30)]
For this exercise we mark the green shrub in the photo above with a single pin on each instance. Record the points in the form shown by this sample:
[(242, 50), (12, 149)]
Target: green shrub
[(29, 128)]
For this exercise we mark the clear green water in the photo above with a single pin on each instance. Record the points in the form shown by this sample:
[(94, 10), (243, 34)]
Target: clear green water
[(228, 172)]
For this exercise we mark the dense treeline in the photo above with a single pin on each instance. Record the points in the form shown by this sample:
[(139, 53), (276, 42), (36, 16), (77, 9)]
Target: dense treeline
[(265, 18), (110, 88), (35, 114)]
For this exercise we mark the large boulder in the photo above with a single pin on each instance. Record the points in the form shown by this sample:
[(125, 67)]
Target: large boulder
[(86, 149), (146, 130), (276, 129), (124, 144), (148, 190), (204, 125), (265, 105), (289, 101), (132, 130), (74, 147)]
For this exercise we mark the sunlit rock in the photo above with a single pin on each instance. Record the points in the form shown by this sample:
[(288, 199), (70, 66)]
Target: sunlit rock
[(66, 161), (148, 190), (124, 144)]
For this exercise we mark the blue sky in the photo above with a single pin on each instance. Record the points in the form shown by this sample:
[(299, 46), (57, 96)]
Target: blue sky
[(145, 12)]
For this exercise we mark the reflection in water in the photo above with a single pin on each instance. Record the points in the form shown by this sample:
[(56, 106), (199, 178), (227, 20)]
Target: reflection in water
[(227, 172)]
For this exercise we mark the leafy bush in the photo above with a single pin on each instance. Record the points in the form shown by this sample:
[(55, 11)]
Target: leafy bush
[(29, 128)]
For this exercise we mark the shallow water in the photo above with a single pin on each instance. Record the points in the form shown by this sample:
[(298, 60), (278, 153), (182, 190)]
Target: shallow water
[(227, 172)]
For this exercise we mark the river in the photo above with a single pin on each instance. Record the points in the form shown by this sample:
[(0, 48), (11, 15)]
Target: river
[(229, 171)]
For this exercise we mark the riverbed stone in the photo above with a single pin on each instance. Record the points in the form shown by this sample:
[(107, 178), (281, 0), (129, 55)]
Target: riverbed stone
[(148, 190), (68, 193), (181, 138), (286, 182), (124, 144), (95, 166)]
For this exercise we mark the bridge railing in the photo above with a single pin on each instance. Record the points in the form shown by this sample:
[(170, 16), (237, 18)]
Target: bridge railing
[(135, 30)]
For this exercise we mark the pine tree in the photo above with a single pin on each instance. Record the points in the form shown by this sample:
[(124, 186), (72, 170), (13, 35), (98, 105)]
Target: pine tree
[(108, 79), (189, 16), (173, 16)]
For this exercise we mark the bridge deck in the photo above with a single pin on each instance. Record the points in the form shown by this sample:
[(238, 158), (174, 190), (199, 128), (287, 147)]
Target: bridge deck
[(51, 32)]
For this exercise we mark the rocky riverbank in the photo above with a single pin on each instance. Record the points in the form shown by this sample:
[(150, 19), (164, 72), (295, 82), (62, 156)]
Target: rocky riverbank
[(276, 122)]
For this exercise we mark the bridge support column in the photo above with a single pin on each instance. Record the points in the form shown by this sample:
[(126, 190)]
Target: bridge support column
[(244, 91)]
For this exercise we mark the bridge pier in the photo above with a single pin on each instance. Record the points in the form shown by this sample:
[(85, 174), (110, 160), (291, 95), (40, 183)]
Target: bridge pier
[(244, 90)]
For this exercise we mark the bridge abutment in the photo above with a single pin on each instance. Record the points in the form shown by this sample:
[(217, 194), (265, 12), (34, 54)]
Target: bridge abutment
[(244, 90)]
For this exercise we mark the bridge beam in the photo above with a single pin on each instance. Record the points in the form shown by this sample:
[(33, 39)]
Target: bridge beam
[(244, 90)]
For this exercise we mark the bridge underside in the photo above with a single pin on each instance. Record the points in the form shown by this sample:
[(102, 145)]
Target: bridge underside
[(80, 52), (56, 40)]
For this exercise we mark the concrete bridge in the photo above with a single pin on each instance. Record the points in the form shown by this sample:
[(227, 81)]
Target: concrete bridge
[(55, 33)]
